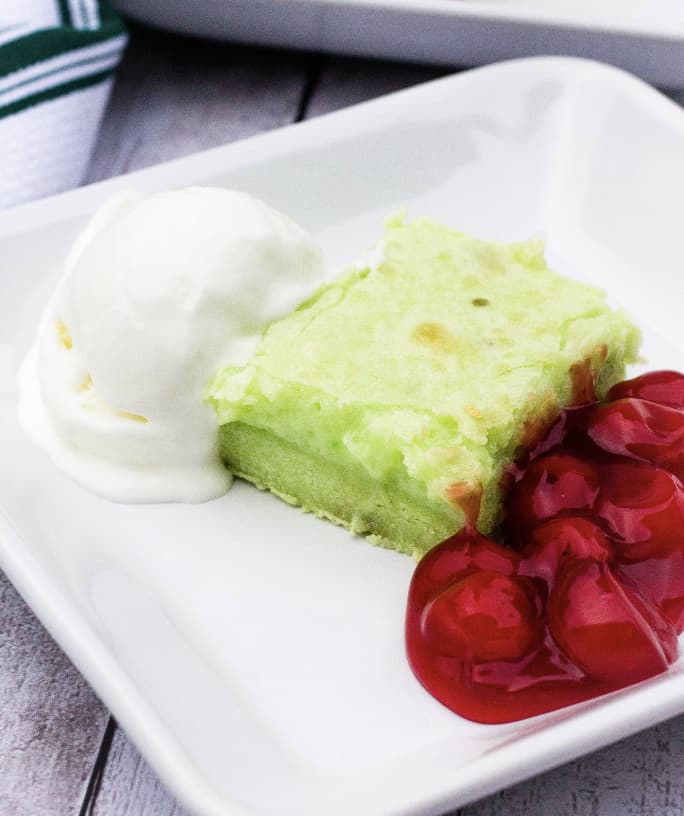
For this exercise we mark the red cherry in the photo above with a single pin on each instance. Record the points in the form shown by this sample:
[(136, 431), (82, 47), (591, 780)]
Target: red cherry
[(605, 628), (484, 617), (640, 430), (663, 387), (643, 506), (561, 540), (552, 484), (465, 552)]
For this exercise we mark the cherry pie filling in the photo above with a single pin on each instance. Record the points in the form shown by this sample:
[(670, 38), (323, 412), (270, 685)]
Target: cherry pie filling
[(588, 595)]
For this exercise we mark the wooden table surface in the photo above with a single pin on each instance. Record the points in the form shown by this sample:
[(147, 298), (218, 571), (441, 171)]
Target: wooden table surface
[(61, 753)]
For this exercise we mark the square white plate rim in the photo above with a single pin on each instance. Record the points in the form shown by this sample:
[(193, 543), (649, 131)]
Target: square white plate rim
[(566, 15), (598, 724), (580, 16), (645, 39)]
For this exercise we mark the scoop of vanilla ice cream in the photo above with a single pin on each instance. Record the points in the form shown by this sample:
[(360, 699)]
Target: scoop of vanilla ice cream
[(158, 292)]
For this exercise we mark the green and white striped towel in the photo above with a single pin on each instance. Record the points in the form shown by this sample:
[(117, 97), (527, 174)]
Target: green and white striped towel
[(57, 59)]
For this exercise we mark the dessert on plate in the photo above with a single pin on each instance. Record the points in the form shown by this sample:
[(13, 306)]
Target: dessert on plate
[(415, 399), (394, 399)]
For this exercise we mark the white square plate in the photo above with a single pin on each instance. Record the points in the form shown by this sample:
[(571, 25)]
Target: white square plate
[(646, 38), (254, 653)]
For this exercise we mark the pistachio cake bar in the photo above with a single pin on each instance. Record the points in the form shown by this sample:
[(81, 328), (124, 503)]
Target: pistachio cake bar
[(394, 399)]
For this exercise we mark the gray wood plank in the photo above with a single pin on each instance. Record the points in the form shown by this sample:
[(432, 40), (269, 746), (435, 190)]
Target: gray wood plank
[(176, 96), (640, 776), (345, 81), (129, 787), (51, 723)]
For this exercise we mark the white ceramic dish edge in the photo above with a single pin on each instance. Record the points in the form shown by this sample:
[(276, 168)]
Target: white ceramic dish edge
[(444, 32)]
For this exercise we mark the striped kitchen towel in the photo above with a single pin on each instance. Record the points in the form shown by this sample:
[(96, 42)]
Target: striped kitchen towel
[(57, 58)]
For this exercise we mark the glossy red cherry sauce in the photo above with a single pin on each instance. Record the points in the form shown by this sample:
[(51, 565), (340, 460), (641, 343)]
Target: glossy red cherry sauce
[(589, 595)]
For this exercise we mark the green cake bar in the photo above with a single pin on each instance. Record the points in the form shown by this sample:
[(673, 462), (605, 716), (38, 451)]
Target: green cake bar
[(393, 400)]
